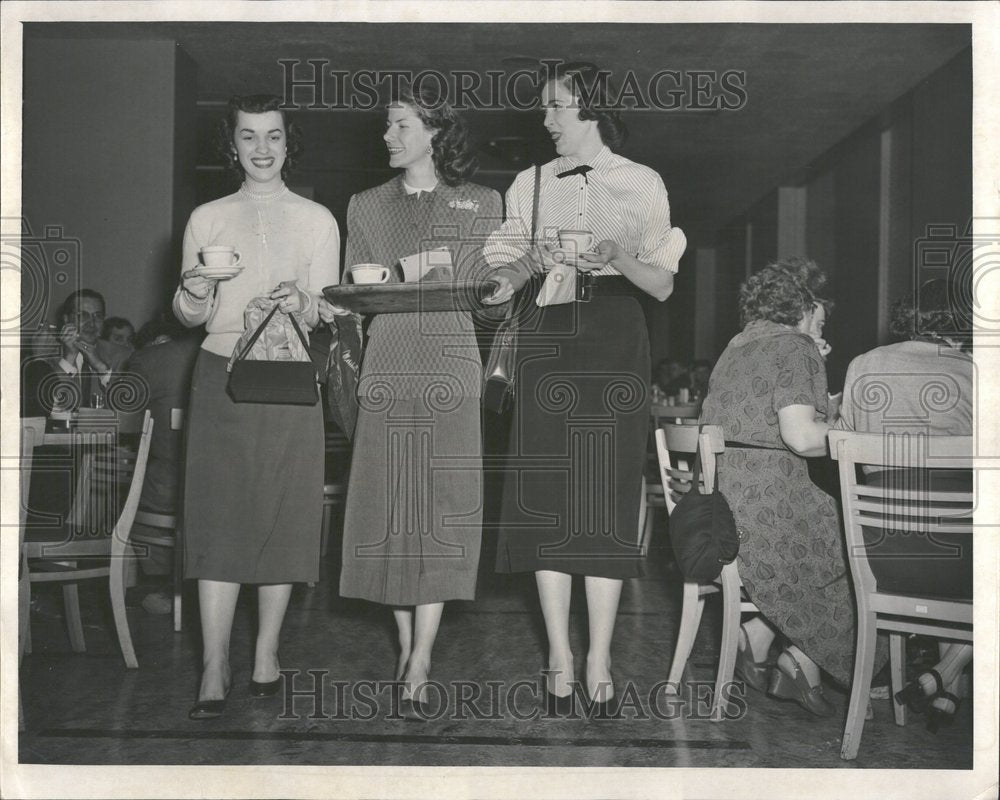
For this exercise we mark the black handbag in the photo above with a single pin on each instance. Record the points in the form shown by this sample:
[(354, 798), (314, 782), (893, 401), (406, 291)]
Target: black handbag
[(501, 365), (498, 374), (703, 530), (273, 382)]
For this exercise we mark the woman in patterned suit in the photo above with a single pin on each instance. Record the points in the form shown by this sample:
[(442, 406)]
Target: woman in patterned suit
[(412, 526)]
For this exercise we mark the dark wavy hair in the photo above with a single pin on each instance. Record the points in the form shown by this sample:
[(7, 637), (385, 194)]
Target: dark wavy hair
[(68, 307), (256, 104), (929, 316), (452, 153), (783, 292), (590, 85)]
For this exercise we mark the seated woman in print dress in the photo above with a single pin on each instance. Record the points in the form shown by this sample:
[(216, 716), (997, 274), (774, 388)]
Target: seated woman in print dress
[(768, 392), (412, 526)]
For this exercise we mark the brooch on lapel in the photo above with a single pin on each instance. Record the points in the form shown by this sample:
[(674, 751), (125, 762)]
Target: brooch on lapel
[(464, 205)]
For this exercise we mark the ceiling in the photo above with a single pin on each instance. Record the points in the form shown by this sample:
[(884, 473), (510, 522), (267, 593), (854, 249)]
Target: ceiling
[(806, 88)]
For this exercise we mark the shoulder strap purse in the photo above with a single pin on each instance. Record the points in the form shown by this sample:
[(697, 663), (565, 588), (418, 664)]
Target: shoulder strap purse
[(273, 382), (702, 529), (501, 366)]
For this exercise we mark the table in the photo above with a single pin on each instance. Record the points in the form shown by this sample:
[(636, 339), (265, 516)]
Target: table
[(678, 412)]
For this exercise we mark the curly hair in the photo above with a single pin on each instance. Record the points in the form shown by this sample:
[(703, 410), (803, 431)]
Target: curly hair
[(256, 104), (590, 86), (453, 156), (929, 316), (783, 292)]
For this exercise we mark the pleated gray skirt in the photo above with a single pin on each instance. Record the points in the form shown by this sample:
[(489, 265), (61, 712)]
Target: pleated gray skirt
[(253, 485)]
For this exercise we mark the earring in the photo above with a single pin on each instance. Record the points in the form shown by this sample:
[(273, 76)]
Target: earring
[(430, 150)]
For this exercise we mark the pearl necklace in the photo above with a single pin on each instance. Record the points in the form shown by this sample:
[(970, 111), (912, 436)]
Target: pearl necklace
[(247, 192)]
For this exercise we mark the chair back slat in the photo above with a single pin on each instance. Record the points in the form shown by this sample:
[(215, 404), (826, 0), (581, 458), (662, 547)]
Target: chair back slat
[(908, 464), (676, 445)]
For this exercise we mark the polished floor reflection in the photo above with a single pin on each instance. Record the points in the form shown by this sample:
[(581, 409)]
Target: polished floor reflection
[(88, 709)]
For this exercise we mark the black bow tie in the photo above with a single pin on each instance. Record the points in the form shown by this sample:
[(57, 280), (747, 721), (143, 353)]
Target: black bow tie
[(583, 169)]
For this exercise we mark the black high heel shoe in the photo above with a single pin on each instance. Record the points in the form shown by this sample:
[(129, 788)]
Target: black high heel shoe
[(605, 709), (913, 695), (265, 689), (556, 706), (208, 709), (938, 718)]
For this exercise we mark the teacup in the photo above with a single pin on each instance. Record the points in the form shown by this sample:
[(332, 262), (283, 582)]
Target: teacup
[(220, 255), (576, 242), (369, 273)]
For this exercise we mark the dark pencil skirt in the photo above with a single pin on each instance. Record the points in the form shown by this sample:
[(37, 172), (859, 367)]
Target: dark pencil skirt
[(253, 496), (918, 564), (573, 478)]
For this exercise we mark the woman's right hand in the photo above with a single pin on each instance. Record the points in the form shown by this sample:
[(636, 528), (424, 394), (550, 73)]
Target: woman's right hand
[(328, 312), (197, 286)]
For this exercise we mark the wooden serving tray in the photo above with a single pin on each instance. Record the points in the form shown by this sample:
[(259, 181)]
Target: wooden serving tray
[(407, 298)]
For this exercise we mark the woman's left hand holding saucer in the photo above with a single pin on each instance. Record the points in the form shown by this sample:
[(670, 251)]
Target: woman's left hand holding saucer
[(196, 285)]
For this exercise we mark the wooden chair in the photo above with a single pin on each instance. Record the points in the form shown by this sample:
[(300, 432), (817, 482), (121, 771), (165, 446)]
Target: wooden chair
[(338, 453), (32, 431), (650, 500), (914, 510), (675, 448), (163, 530), (106, 472)]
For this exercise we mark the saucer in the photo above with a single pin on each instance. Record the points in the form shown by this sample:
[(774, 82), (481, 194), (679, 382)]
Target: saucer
[(568, 257), (217, 273)]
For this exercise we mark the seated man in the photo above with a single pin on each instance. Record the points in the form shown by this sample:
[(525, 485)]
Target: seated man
[(78, 374), (119, 330), (163, 362)]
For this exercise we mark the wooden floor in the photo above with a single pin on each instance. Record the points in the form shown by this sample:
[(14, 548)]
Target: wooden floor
[(88, 709)]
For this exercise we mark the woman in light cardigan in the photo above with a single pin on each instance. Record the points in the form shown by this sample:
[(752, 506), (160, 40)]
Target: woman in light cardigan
[(254, 472)]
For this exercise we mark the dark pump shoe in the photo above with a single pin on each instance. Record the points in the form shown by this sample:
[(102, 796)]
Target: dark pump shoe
[(208, 709), (796, 687), (753, 673), (266, 689), (556, 706)]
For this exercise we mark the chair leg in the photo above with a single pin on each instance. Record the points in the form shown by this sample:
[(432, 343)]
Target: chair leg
[(647, 530), (117, 586), (178, 579), (730, 641), (325, 533), (897, 672), (691, 610), (861, 684), (74, 625), (23, 610)]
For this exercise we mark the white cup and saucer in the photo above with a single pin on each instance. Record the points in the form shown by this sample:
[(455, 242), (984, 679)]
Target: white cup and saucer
[(572, 244), (219, 262)]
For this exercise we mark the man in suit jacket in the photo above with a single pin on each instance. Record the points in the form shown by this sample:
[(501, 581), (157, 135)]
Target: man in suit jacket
[(163, 363), (84, 365)]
